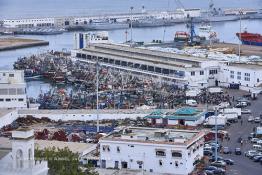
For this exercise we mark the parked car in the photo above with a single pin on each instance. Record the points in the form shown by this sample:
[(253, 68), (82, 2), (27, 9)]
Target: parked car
[(229, 161), (254, 140), (251, 135), (226, 150), (212, 159), (238, 151), (208, 153), (239, 139), (241, 104), (257, 158), (250, 119), (257, 120), (245, 111), (216, 170), (250, 153), (219, 164), (209, 172), (254, 155)]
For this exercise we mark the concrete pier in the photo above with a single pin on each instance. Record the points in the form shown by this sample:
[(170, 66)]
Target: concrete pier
[(16, 43)]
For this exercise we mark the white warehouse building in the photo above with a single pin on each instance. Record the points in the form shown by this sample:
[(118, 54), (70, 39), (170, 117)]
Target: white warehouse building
[(152, 150), (183, 70), (12, 89)]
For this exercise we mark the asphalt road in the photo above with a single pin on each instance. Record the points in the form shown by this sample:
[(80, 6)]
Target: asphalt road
[(243, 165)]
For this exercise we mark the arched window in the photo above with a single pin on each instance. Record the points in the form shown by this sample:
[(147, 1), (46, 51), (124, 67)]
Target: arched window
[(19, 158)]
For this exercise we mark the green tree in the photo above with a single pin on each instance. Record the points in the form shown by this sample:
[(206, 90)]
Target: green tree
[(63, 162)]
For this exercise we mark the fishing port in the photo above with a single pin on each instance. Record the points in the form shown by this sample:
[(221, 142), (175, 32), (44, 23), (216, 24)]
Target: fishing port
[(127, 87)]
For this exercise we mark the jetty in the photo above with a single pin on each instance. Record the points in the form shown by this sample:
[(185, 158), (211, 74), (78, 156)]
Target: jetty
[(11, 43)]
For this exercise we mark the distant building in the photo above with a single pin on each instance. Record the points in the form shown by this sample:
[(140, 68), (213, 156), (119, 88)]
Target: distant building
[(12, 89), (183, 117), (244, 76), (29, 22), (185, 71), (82, 40), (21, 160), (152, 150)]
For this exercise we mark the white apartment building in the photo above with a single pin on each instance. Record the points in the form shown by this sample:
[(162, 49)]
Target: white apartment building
[(152, 150), (245, 75), (12, 89)]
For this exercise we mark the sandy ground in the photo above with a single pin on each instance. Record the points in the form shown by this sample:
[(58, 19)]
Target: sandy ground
[(6, 42)]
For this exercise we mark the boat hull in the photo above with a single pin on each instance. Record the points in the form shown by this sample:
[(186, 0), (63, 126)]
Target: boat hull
[(254, 43)]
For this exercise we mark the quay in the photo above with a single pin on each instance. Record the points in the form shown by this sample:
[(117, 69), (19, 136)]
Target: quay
[(17, 43), (247, 50)]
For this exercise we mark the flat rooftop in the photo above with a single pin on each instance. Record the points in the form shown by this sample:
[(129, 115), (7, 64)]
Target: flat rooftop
[(248, 65), (4, 111), (145, 54), (6, 144), (156, 135)]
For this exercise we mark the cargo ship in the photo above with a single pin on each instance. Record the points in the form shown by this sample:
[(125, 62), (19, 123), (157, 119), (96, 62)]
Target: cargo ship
[(250, 38)]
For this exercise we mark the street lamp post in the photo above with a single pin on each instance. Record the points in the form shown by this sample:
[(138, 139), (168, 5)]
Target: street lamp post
[(240, 30), (97, 103), (131, 25), (216, 133)]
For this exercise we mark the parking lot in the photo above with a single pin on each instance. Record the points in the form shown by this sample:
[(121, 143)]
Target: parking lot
[(243, 165)]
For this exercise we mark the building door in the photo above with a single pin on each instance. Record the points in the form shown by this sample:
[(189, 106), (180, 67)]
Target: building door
[(116, 164), (181, 122), (103, 164), (124, 164), (165, 121), (216, 82), (153, 121)]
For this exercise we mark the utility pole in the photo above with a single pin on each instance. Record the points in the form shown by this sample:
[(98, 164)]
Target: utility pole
[(240, 30), (97, 103), (216, 133), (131, 25)]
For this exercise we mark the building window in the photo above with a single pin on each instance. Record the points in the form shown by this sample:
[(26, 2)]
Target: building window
[(8, 99), (11, 75), (232, 74), (201, 72), (176, 154), (193, 73), (118, 149), (160, 162), (1, 99), (20, 99), (213, 71), (258, 80), (239, 75), (160, 153), (247, 77)]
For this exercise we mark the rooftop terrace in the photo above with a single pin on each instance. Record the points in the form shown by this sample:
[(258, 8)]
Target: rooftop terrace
[(155, 135)]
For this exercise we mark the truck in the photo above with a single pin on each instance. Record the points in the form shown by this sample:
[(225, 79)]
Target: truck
[(211, 121), (231, 117), (231, 110)]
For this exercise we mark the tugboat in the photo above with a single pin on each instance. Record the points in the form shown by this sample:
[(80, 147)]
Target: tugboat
[(250, 38)]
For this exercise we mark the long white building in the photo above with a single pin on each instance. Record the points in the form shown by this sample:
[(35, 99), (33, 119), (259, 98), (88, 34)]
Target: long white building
[(152, 150), (183, 70), (12, 89)]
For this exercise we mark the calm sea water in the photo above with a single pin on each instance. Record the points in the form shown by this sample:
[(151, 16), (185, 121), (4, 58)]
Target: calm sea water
[(40, 8), (34, 8)]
